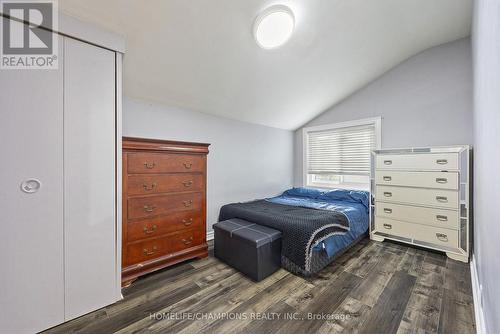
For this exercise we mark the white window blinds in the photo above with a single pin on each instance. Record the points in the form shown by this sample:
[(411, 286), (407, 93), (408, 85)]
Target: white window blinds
[(341, 150)]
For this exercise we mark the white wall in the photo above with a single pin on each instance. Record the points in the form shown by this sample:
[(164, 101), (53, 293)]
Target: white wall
[(424, 101), (245, 162), (486, 50)]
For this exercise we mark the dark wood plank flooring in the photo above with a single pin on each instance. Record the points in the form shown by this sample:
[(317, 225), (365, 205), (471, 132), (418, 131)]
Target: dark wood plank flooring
[(373, 288)]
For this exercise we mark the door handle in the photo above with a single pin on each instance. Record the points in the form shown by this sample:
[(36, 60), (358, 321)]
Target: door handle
[(31, 186)]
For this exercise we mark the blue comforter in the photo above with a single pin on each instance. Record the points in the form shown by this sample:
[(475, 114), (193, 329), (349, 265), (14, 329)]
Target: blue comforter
[(353, 204)]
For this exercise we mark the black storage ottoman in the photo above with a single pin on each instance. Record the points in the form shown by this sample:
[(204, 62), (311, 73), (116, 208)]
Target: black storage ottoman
[(253, 249)]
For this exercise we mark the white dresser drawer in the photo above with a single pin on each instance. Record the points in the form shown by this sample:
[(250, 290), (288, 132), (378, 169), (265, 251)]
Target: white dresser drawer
[(415, 214), (439, 180), (394, 227), (419, 233), (420, 161), (418, 196), (437, 236)]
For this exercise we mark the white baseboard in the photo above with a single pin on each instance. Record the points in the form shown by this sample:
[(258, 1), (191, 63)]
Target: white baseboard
[(476, 293), (210, 235)]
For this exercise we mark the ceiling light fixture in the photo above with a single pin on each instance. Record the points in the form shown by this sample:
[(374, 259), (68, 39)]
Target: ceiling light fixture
[(274, 26)]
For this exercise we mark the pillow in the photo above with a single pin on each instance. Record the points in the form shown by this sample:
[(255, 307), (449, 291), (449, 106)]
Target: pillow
[(304, 192), (346, 195)]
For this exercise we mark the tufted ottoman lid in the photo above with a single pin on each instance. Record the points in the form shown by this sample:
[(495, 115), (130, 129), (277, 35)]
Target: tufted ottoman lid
[(251, 233)]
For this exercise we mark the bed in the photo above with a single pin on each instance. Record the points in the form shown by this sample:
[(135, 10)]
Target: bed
[(317, 225)]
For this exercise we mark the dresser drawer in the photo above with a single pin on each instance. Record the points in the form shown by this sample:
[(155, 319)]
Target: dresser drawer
[(147, 163), (153, 248), (150, 206), (440, 180), (153, 184), (187, 239), (417, 196), (414, 214), (394, 227), (437, 236), (419, 161), (157, 226), (428, 234)]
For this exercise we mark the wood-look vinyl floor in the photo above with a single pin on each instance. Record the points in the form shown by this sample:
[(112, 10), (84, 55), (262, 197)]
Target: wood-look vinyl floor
[(373, 288)]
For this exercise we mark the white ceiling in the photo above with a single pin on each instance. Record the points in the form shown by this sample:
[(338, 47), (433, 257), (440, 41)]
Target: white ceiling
[(201, 55)]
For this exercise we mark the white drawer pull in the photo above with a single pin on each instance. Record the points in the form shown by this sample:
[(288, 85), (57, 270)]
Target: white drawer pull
[(388, 226), (387, 178), (442, 199), (442, 218), (387, 210), (442, 237), (387, 194), (441, 180), (387, 162), (441, 161)]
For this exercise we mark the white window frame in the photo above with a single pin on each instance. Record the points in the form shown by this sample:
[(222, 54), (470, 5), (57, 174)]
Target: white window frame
[(375, 121)]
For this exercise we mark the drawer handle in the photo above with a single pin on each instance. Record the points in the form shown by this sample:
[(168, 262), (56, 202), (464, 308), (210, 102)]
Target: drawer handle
[(187, 183), (149, 188), (442, 218), (387, 210), (187, 241), (441, 161), (387, 194), (187, 204), (442, 199), (149, 165), (387, 178), (187, 165), (187, 222), (149, 252), (387, 162), (388, 226), (441, 180), (151, 230), (442, 237), (149, 208)]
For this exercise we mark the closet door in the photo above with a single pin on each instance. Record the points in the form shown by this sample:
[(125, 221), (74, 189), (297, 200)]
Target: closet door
[(89, 177), (31, 197)]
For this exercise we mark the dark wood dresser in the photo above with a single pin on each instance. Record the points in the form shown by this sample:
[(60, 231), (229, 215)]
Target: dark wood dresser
[(164, 204)]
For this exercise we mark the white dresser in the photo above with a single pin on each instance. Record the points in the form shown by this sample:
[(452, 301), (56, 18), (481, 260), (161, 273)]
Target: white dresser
[(421, 196)]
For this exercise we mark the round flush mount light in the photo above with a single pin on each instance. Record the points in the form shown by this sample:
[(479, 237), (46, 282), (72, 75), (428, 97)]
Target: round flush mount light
[(274, 26)]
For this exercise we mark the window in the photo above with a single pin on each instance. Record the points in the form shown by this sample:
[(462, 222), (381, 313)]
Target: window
[(339, 155)]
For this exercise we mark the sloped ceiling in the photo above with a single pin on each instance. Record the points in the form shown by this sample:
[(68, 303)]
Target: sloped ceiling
[(201, 55)]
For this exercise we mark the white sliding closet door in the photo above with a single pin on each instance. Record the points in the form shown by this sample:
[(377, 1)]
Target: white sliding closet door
[(31, 223), (89, 177)]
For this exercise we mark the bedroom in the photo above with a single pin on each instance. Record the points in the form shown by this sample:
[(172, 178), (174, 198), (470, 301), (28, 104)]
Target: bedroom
[(249, 166)]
